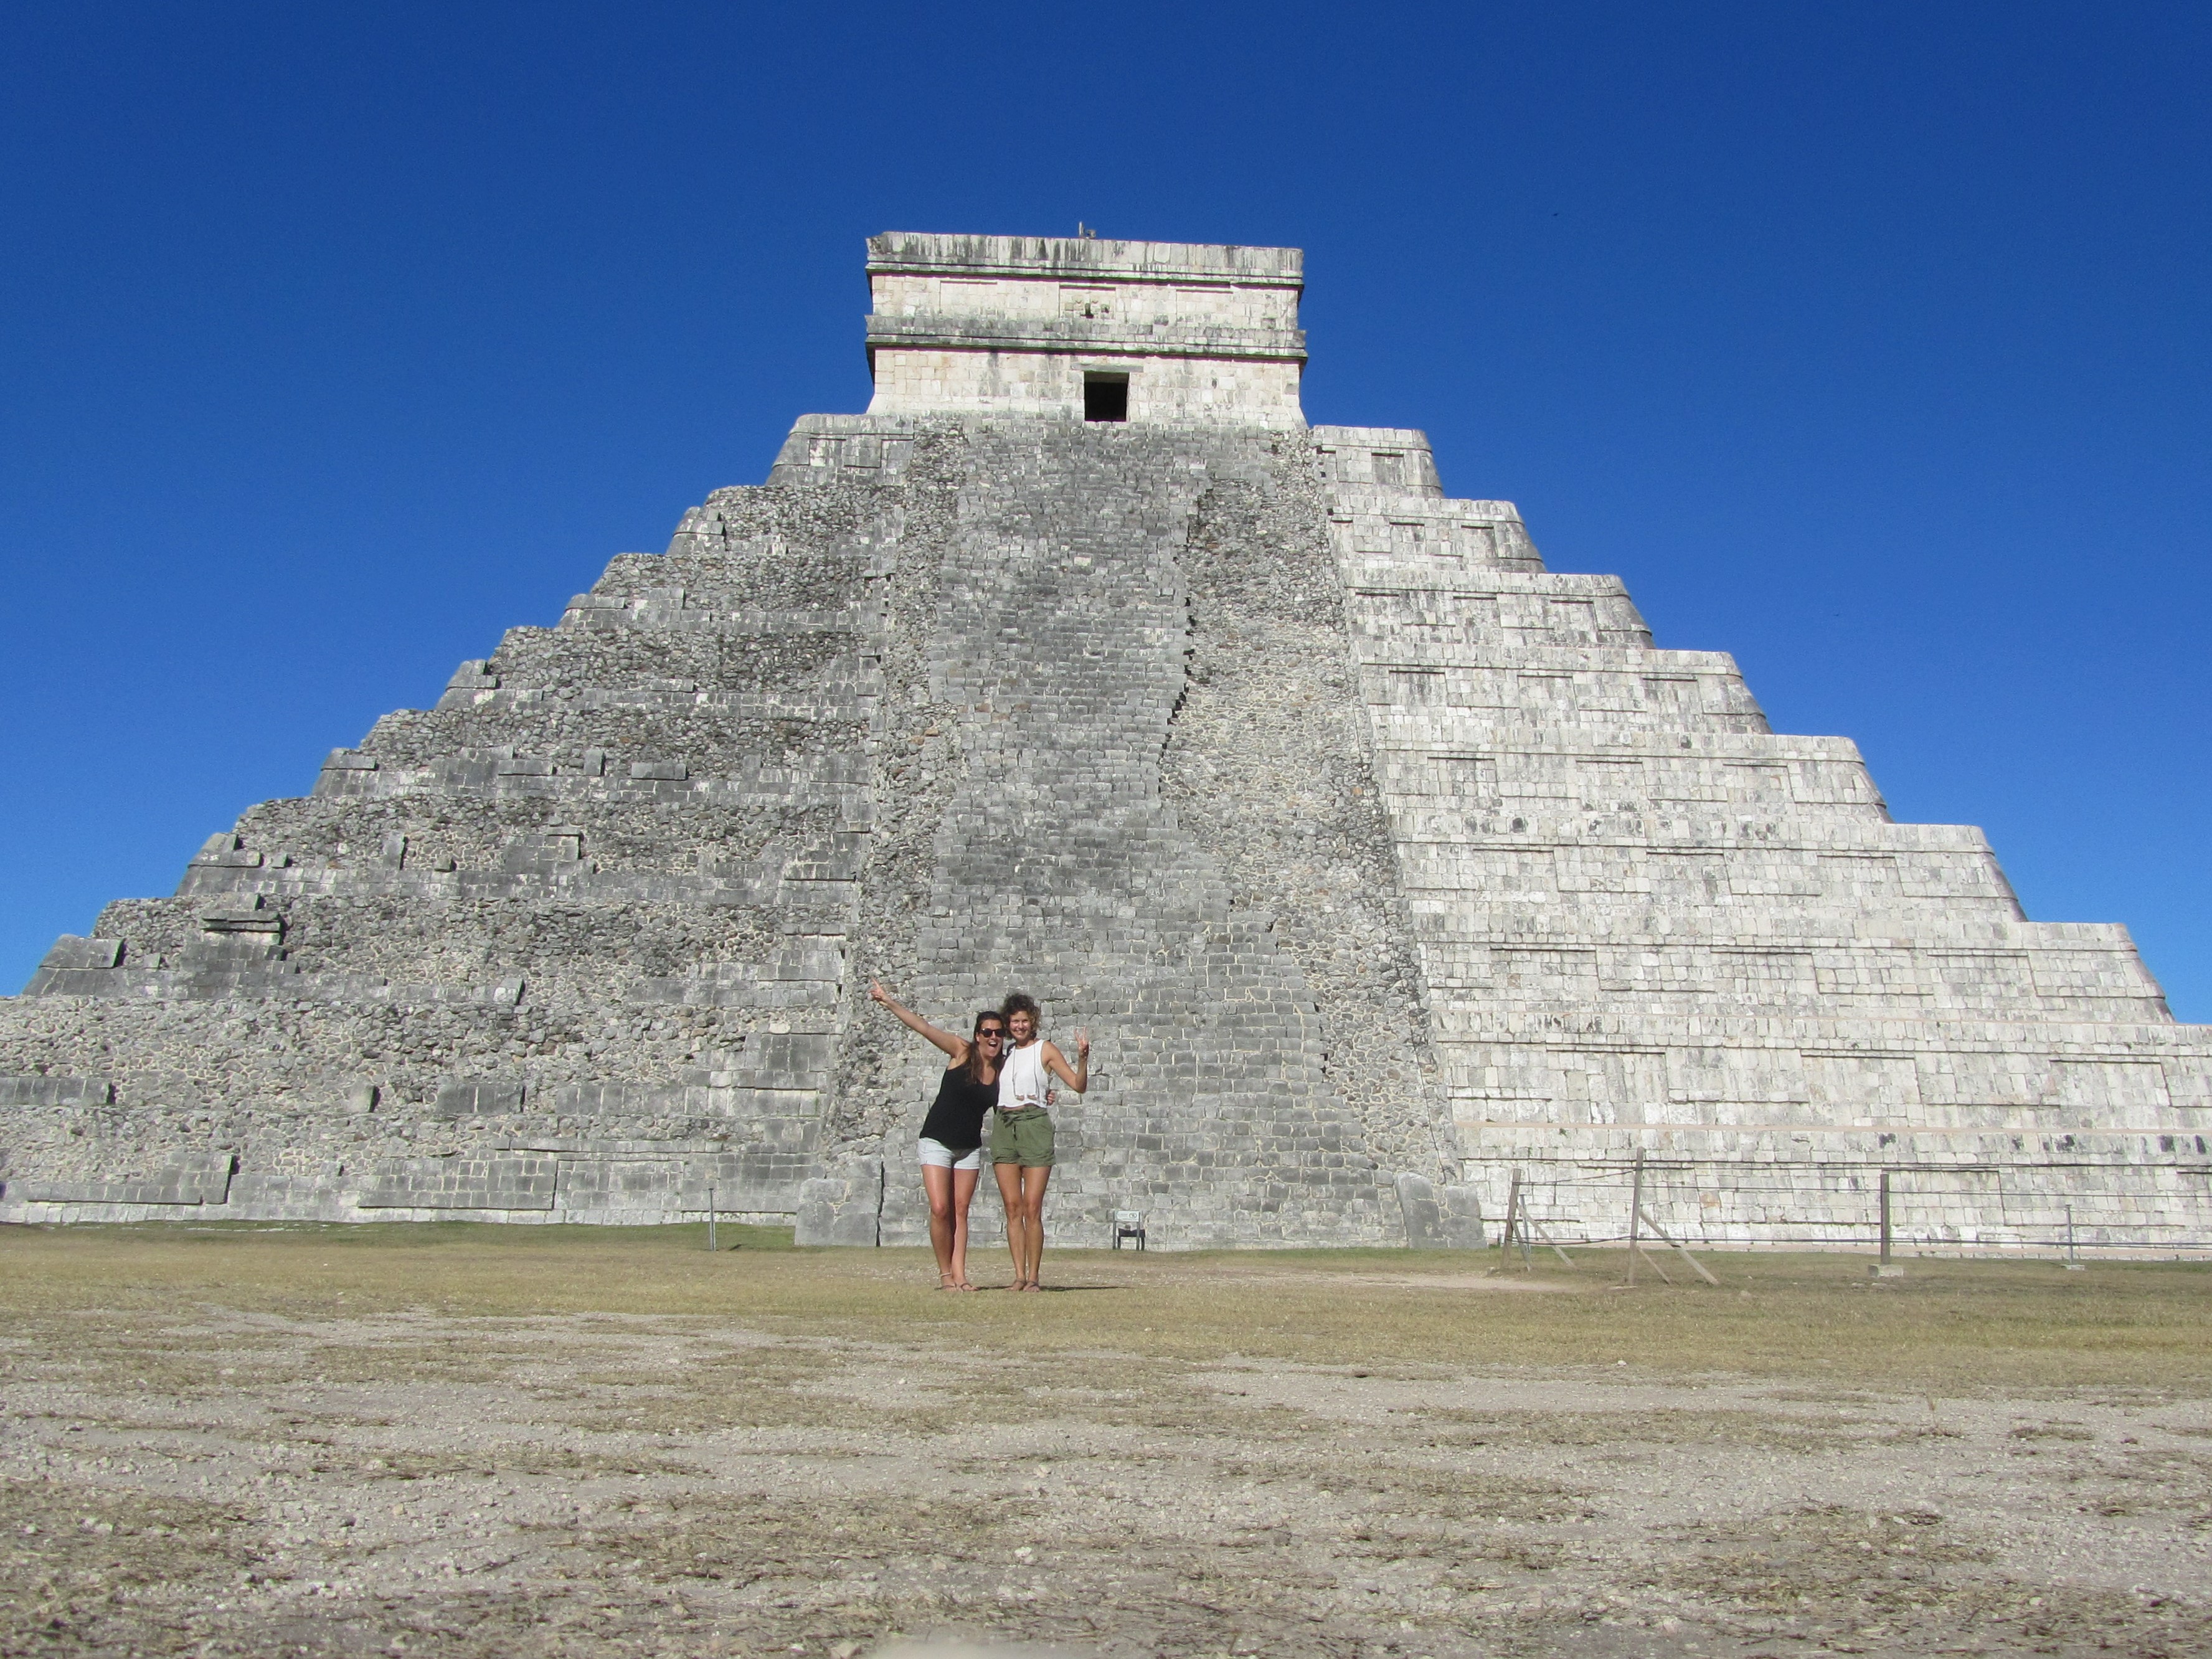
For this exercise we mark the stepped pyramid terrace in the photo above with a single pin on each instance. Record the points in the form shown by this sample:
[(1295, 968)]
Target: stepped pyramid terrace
[(1382, 864)]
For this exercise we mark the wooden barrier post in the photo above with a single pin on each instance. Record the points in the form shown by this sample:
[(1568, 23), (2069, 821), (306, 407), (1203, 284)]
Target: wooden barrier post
[(710, 1220), (1512, 1219), (1680, 1249), (1635, 1211), (1885, 1218), (1884, 1268)]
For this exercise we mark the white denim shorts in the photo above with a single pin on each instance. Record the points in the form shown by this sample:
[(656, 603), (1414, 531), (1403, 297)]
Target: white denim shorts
[(938, 1155)]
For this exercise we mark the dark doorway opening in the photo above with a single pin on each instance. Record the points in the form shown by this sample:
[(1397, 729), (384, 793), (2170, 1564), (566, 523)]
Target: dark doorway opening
[(1105, 396)]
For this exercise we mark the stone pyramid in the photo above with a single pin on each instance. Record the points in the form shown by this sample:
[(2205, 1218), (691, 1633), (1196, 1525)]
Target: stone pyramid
[(1381, 865)]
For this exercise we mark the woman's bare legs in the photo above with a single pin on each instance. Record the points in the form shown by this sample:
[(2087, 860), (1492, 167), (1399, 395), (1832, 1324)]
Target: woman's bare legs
[(1010, 1192), (1023, 1192), (963, 1194), (1033, 1186), (949, 1192)]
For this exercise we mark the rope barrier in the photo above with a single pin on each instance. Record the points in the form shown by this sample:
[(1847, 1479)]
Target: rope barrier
[(2016, 1206)]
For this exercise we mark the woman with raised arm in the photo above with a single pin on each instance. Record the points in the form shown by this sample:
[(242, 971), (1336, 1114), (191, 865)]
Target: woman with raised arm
[(953, 1133), (1021, 1132)]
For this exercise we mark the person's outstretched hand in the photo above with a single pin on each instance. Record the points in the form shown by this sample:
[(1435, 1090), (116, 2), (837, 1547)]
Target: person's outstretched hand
[(876, 990), (1083, 1042)]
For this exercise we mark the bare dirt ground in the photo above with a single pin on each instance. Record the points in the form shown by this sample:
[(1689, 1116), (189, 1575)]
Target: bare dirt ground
[(457, 1441)]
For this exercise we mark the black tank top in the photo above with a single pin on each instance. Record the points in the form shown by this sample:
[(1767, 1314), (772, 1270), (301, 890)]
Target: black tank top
[(956, 1120)]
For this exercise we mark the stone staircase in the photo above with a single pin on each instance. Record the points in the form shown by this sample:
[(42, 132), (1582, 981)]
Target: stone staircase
[(1039, 714)]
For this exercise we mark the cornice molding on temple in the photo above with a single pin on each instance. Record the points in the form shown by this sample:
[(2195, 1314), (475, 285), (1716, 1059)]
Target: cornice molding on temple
[(912, 253)]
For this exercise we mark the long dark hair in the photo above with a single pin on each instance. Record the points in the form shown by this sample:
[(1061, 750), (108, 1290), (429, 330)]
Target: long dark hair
[(973, 1066)]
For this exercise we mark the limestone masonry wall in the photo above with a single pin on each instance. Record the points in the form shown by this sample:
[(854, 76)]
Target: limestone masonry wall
[(1382, 865), (1649, 928), (1015, 326)]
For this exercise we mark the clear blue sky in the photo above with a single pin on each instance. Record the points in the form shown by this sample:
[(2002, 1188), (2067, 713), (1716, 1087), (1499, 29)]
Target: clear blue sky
[(1866, 341)]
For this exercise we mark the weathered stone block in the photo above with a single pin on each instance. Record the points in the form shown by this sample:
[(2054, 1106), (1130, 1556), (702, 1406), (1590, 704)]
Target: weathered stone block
[(461, 1183), (1460, 1221), (193, 1178), (70, 952), (1421, 1215), (465, 1097), (56, 1092), (843, 1208)]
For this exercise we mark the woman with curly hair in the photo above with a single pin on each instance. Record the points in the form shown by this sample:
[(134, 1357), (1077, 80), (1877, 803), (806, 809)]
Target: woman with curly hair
[(1021, 1131)]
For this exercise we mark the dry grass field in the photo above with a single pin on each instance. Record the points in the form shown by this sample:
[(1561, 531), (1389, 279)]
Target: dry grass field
[(449, 1441)]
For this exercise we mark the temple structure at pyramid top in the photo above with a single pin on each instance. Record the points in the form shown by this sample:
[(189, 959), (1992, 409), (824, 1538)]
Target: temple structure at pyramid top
[(1403, 884), (1158, 332)]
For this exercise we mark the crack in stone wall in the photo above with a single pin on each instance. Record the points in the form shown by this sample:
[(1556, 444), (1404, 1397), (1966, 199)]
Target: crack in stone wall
[(916, 767), (1268, 762)]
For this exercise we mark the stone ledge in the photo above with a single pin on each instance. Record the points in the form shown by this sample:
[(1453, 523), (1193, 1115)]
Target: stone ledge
[(929, 253), (1062, 337), (190, 1179)]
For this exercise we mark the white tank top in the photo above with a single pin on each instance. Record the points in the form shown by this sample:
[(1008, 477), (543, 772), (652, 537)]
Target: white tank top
[(1021, 1079)]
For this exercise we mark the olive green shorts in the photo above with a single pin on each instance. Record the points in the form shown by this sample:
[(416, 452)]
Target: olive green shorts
[(1024, 1138)]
